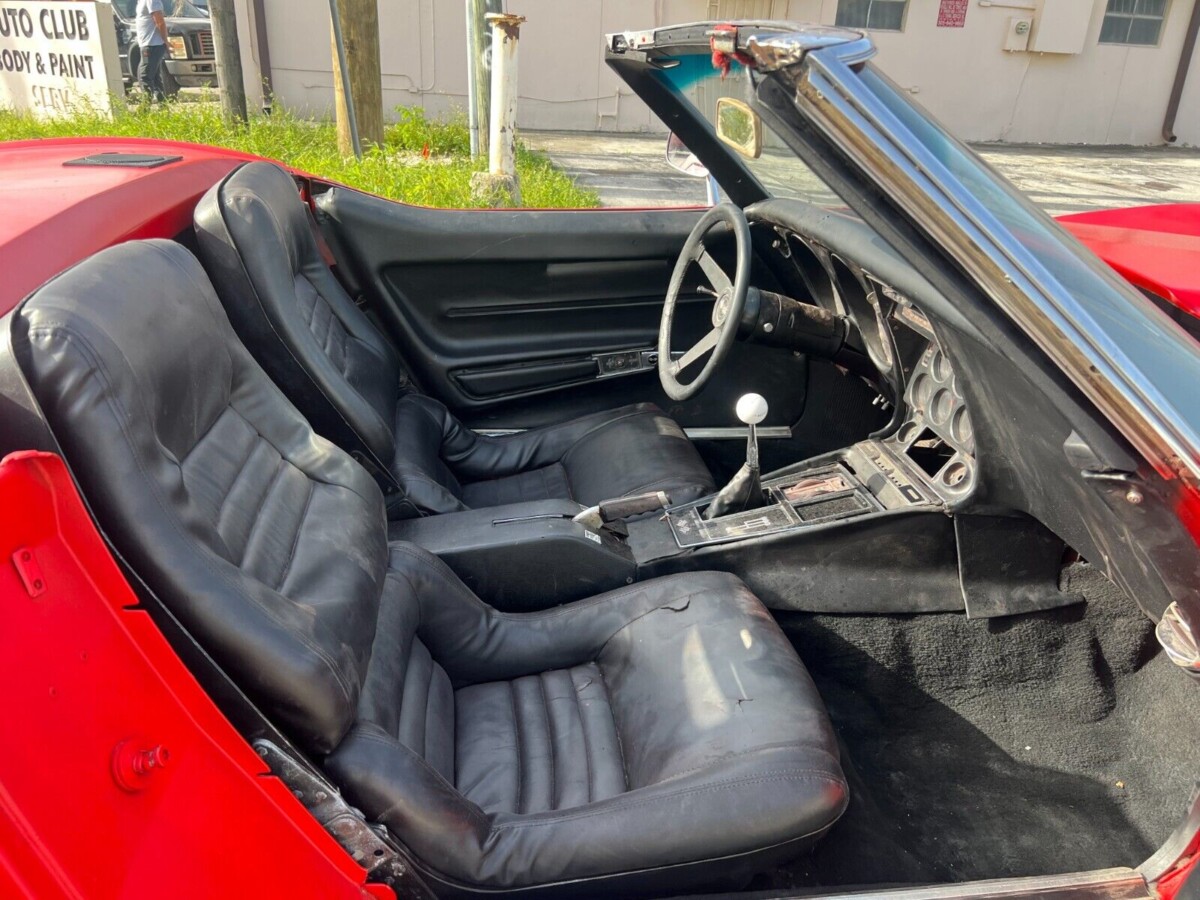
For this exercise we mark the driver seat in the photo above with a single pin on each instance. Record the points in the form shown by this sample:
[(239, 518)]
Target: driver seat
[(258, 241)]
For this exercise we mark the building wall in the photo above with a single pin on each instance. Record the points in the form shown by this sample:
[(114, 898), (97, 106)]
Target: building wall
[(1105, 94)]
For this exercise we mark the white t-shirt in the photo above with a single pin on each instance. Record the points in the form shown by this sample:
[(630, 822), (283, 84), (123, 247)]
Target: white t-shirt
[(147, 34)]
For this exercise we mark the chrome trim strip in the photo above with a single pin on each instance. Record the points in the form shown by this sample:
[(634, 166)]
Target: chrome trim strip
[(1174, 850), (830, 95), (1110, 884), (737, 432)]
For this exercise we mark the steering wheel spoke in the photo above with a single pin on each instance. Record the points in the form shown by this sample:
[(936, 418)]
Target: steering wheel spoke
[(713, 272), (702, 346)]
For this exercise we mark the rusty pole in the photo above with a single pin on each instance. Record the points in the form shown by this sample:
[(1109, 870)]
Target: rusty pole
[(506, 31)]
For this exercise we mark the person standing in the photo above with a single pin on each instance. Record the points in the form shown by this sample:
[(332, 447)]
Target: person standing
[(151, 28)]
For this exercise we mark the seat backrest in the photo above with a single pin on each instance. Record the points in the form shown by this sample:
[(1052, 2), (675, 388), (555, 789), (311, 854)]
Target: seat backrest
[(256, 239), (267, 541)]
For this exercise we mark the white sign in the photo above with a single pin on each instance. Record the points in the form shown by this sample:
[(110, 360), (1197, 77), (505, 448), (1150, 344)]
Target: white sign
[(55, 56)]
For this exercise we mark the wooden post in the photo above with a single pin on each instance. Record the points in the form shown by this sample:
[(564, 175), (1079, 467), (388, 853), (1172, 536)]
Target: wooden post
[(360, 35), (230, 84)]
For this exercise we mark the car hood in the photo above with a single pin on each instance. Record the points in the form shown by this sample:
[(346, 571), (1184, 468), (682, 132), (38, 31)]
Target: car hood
[(188, 24), (1157, 248)]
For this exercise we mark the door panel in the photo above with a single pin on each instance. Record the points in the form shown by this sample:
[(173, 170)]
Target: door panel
[(502, 313)]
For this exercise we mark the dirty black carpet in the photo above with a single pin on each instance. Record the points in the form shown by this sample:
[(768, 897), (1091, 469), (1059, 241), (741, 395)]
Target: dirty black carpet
[(1047, 743)]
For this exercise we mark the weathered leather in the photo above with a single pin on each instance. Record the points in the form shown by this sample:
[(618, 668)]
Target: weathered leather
[(666, 730), (256, 239)]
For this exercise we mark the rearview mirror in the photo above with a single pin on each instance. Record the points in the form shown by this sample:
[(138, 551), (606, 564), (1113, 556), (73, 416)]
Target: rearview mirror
[(739, 126)]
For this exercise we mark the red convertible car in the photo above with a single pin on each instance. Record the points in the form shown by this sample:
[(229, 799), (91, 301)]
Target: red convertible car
[(839, 539)]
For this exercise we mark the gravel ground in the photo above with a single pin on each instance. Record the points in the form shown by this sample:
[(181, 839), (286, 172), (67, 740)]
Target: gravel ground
[(629, 170)]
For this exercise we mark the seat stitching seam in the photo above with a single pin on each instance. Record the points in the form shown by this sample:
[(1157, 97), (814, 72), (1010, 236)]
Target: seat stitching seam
[(751, 751), (428, 703), (512, 701), (120, 414), (287, 566), (287, 459), (587, 750), (201, 438), (617, 731), (550, 737), (439, 565), (778, 776), (240, 470), (279, 470)]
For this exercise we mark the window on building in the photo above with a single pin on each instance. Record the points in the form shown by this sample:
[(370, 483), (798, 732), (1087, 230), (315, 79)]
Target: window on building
[(879, 15), (1133, 22)]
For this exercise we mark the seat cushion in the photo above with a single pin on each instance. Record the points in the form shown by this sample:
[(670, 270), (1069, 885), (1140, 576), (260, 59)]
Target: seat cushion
[(547, 483), (539, 742), (669, 723), (636, 449), (443, 466)]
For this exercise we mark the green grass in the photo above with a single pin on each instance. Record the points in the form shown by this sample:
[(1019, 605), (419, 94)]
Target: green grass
[(422, 161)]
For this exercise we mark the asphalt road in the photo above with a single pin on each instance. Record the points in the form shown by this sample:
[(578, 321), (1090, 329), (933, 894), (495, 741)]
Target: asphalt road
[(629, 170)]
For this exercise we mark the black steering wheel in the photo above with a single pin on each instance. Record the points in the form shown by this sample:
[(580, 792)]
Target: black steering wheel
[(727, 308)]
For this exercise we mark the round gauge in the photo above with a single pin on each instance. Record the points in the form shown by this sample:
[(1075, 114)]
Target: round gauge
[(939, 367), (960, 426), (941, 407), (954, 476), (922, 390)]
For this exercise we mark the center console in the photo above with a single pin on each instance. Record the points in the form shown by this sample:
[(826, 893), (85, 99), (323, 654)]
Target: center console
[(863, 528)]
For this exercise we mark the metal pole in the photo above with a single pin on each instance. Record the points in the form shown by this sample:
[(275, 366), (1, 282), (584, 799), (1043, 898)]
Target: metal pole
[(479, 85), (1181, 74), (230, 85), (351, 119), (264, 55), (506, 31)]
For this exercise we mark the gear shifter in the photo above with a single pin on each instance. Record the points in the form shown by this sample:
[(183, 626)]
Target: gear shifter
[(744, 490)]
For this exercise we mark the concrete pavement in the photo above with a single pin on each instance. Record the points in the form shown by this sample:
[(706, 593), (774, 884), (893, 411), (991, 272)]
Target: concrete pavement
[(629, 170)]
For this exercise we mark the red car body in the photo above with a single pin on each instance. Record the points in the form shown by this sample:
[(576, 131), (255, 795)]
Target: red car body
[(103, 715)]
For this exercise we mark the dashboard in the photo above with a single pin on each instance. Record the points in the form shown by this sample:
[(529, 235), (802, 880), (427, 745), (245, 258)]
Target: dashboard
[(929, 441)]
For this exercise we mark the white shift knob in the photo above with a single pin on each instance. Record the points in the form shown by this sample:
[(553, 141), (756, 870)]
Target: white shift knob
[(752, 408)]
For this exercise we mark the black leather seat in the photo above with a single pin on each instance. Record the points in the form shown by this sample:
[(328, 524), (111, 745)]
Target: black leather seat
[(646, 739), (257, 242)]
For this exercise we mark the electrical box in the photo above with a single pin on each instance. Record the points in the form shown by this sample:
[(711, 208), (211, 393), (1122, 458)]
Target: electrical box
[(1016, 38), (1061, 26)]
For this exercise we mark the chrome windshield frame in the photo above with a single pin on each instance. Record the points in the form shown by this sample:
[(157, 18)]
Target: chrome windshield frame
[(1102, 333), (1104, 337)]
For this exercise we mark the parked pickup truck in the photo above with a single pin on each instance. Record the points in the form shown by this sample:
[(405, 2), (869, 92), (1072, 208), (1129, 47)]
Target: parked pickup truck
[(191, 61)]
